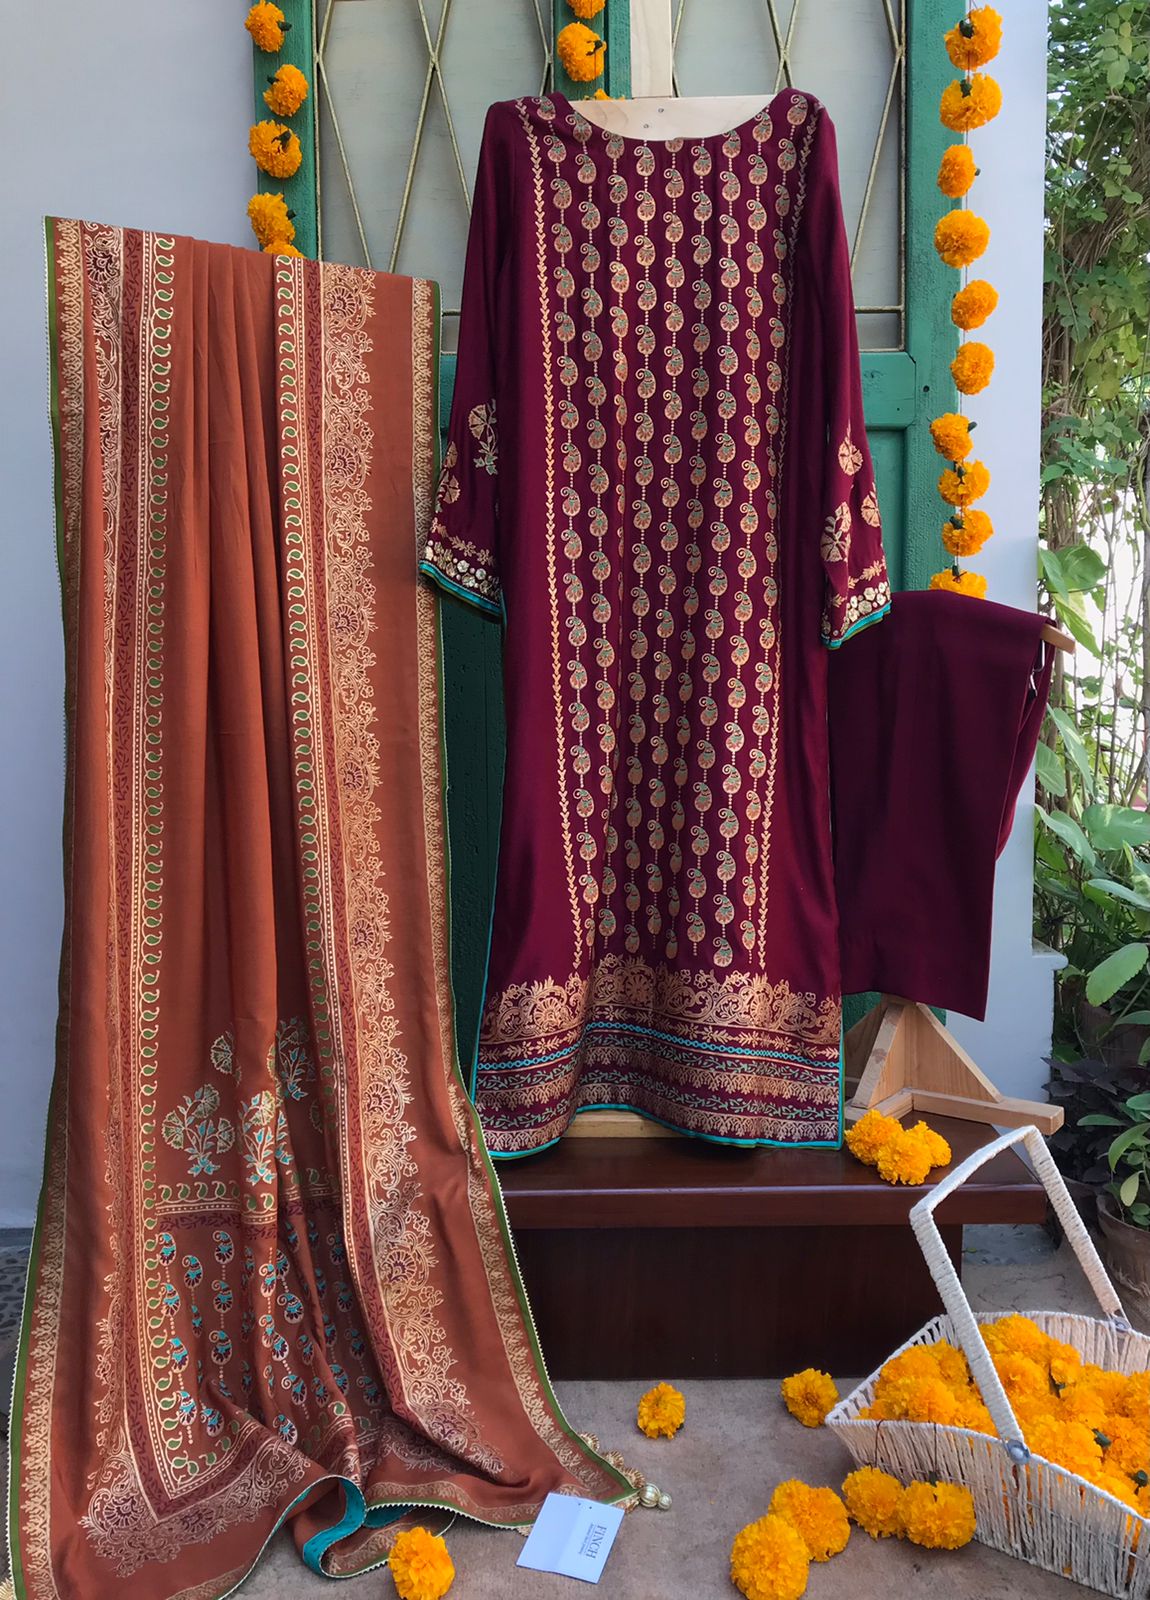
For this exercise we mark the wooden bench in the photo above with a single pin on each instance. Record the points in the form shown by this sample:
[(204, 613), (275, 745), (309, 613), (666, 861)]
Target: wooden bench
[(673, 1258)]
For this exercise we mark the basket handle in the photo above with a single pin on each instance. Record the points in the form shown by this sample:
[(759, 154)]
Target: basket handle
[(950, 1288)]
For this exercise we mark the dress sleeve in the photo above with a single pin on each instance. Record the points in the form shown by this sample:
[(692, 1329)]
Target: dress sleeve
[(461, 554), (857, 591)]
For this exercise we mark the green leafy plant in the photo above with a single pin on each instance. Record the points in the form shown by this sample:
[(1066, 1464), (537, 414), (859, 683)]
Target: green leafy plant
[(1128, 1156), (1092, 840)]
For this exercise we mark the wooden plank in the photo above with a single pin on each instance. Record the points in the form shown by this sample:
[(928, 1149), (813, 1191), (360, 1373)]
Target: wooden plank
[(687, 1183), (651, 47), (1003, 1112), (725, 1303), (617, 1125), (301, 191)]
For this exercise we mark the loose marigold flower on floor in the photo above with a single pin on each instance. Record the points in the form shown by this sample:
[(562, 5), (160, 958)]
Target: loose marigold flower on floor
[(661, 1412), (769, 1561), (818, 1516), (809, 1395), (874, 1499), (420, 1565), (868, 1135)]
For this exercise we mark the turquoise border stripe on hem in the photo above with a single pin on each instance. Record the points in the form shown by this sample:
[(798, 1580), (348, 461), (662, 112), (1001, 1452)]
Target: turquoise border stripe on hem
[(486, 606), (355, 1510), (687, 1133), (867, 622)]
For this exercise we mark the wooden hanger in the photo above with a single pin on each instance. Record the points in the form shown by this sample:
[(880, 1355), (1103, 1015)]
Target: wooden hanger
[(1056, 637)]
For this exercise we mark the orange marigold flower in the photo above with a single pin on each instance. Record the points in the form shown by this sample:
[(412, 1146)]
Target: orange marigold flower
[(969, 103), (972, 366), (581, 51), (965, 534), (1065, 1363), (932, 1401), (586, 9), (873, 1498), (951, 1362), (661, 1412), (956, 171), (818, 1516), (868, 1135), (270, 218), (960, 237), (936, 1146), (281, 247), (971, 306), (287, 91), (968, 583), (1068, 1444), (976, 40), (968, 481), (769, 1561), (265, 23), (951, 435), (275, 148), (972, 1414), (938, 1516), (1020, 1375), (600, 94), (1129, 1446), (420, 1565), (809, 1395), (1019, 1333), (904, 1159)]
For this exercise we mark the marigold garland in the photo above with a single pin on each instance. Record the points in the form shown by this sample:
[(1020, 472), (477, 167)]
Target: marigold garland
[(586, 9), (938, 1516), (874, 1500), (769, 1561), (960, 237), (286, 92), (270, 218), (281, 247), (965, 535), (809, 1395), (969, 583), (970, 103), (956, 171), (661, 1412), (420, 1565), (959, 485), (266, 24), (868, 1135), (973, 304), (581, 51), (818, 1516), (976, 40), (972, 367), (275, 149)]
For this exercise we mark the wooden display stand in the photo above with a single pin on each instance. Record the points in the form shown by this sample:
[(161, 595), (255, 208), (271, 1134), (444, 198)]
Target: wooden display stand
[(904, 1060)]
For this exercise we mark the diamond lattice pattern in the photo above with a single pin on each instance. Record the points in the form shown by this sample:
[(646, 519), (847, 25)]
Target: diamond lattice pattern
[(405, 85)]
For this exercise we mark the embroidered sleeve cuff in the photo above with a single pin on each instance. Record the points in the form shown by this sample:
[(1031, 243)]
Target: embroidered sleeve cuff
[(864, 604), (461, 578)]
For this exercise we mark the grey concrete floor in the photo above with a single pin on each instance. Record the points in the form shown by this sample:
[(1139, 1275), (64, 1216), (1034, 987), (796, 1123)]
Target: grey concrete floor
[(721, 1469)]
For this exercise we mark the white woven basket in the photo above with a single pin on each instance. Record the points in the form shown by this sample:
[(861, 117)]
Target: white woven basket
[(1023, 1504)]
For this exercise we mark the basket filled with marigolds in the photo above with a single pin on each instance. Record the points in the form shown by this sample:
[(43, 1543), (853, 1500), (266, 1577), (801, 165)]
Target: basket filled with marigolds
[(1044, 1416)]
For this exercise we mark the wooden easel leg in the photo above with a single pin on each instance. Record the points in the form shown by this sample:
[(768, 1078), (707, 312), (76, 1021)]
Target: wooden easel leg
[(905, 1059)]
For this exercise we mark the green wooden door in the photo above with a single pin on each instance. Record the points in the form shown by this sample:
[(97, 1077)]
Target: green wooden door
[(402, 95)]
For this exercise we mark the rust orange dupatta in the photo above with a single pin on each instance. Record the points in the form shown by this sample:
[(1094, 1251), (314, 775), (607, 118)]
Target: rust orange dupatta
[(271, 1275)]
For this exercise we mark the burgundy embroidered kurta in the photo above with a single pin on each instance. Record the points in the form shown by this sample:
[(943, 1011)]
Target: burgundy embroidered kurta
[(657, 473)]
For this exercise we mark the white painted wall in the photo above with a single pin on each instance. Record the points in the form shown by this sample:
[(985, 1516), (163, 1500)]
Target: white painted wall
[(136, 113), (128, 112), (1011, 1043)]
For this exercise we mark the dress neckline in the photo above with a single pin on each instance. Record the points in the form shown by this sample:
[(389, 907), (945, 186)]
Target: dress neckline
[(561, 102)]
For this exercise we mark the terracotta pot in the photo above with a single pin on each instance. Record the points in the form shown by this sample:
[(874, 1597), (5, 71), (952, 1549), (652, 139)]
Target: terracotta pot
[(1126, 1252)]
